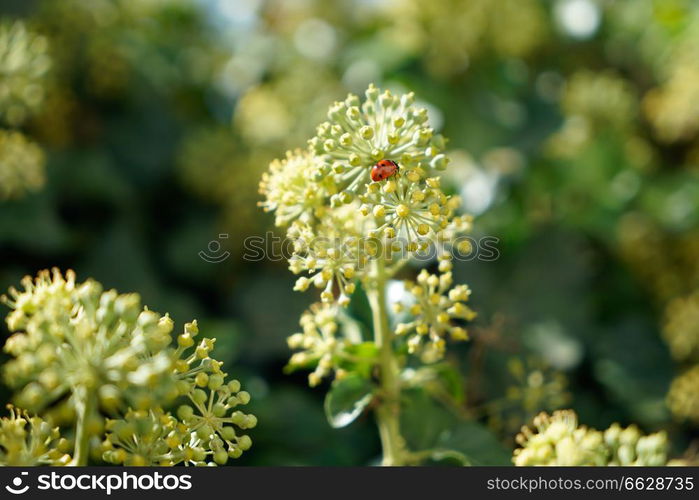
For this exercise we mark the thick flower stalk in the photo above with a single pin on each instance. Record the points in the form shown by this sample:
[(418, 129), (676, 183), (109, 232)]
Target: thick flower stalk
[(27, 440), (558, 440), (350, 227)]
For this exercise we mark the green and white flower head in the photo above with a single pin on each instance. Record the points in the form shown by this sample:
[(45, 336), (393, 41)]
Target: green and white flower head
[(332, 253), (70, 335), (212, 411), (318, 343), (204, 430), (409, 214), (21, 165), (148, 437), (24, 64), (384, 126), (435, 307), (558, 440), (28, 441), (290, 191), (628, 446)]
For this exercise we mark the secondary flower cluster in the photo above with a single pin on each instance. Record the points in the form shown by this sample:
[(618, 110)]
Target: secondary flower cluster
[(558, 440), (79, 346), (434, 306), (30, 441), (319, 344)]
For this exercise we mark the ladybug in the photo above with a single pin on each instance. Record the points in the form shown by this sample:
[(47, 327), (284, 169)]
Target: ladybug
[(383, 170)]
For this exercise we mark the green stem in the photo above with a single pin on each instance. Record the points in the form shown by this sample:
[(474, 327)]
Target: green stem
[(84, 406), (388, 410)]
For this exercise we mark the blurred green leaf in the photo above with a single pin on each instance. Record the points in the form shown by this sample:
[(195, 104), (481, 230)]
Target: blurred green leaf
[(427, 425), (347, 399)]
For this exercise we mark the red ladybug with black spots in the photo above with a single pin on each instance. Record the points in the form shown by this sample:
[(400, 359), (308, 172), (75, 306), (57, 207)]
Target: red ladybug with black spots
[(383, 170)]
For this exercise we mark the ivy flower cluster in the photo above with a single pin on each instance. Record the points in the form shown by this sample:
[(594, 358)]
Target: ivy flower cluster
[(319, 344), (341, 222), (434, 306), (357, 135), (102, 353), (204, 426), (28, 440), (338, 219), (70, 335), (290, 192), (558, 440)]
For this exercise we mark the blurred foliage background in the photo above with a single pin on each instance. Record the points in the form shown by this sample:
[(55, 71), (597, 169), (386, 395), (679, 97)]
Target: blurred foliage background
[(134, 132)]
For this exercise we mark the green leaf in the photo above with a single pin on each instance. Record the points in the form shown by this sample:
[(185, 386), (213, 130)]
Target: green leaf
[(347, 399), (427, 425), (441, 380)]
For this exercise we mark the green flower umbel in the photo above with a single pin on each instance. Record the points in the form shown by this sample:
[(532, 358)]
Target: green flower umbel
[(558, 440), (435, 308), (99, 352), (357, 135), (79, 348), (26, 440), (288, 189), (70, 336)]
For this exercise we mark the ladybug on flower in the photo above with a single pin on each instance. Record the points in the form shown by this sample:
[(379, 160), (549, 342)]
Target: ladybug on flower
[(383, 170)]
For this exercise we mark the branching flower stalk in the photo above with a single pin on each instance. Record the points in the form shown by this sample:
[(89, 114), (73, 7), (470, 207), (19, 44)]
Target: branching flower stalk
[(347, 230), (388, 413)]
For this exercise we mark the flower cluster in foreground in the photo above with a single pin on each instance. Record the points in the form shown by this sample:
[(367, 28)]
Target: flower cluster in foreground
[(27, 440), (97, 353), (558, 439)]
